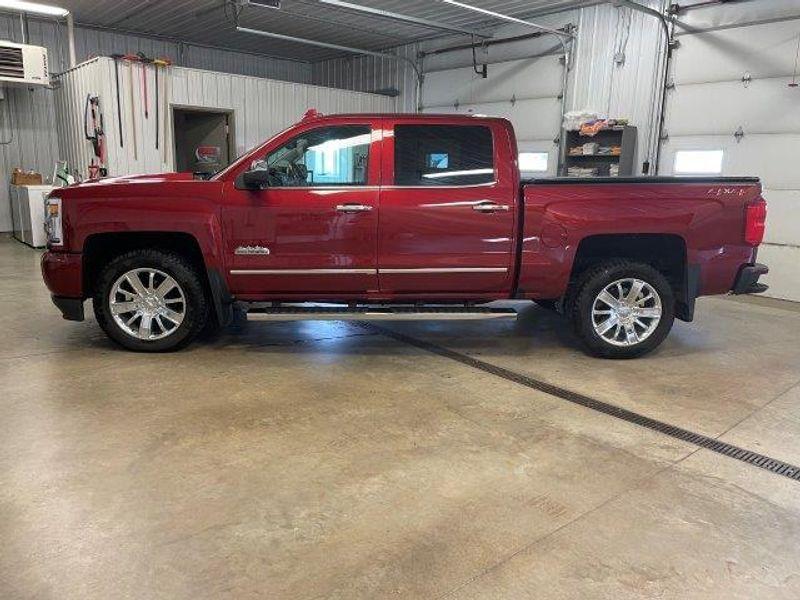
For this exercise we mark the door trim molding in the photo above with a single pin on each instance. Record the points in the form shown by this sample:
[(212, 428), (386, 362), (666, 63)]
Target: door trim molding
[(304, 272), (444, 270), (422, 271)]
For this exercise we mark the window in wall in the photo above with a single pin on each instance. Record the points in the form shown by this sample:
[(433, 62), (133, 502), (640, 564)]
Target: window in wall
[(438, 155), (533, 162), (698, 162), (325, 156)]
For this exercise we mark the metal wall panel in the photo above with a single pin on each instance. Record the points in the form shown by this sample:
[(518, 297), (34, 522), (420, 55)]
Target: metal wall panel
[(763, 106), (630, 89), (260, 108), (735, 13), (371, 74), (767, 50), (526, 79), (69, 99)]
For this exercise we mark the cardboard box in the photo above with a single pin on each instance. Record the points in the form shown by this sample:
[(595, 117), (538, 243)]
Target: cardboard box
[(19, 177)]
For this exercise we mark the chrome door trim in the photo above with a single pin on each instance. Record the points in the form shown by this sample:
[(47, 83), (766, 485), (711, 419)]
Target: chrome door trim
[(304, 272), (443, 270), (423, 271), (437, 187)]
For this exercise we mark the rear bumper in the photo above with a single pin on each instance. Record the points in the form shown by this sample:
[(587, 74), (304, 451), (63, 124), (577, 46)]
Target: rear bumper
[(747, 279)]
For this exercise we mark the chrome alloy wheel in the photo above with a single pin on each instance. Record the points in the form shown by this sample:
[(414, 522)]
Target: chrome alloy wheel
[(626, 312), (147, 304)]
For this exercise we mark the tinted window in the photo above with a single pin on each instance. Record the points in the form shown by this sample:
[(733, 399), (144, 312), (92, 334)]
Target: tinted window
[(324, 156), (443, 155)]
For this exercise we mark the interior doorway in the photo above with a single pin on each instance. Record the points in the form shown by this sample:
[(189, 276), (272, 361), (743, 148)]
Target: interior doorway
[(203, 140)]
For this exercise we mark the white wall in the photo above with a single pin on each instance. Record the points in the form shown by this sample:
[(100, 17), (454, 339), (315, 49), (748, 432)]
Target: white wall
[(261, 108)]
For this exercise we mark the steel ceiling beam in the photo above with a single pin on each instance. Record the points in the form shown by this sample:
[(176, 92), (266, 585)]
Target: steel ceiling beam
[(502, 17), (291, 38), (404, 18)]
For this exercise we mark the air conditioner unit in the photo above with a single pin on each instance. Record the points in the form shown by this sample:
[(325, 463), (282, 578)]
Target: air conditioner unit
[(22, 64)]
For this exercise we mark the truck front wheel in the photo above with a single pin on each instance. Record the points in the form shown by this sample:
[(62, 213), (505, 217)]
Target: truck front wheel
[(622, 309), (150, 301)]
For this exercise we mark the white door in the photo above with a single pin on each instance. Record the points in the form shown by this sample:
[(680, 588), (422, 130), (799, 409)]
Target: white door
[(733, 76)]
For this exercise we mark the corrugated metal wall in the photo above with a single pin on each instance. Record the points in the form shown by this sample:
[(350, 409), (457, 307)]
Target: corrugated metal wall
[(27, 116), (371, 74), (260, 107), (630, 89)]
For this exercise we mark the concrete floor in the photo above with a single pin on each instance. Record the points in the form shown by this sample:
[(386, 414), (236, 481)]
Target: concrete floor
[(317, 459)]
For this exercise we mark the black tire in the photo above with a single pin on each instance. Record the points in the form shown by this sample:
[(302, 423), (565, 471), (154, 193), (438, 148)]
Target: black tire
[(592, 282), (174, 265)]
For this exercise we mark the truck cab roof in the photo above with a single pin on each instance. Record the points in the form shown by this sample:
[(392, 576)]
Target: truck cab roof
[(313, 115)]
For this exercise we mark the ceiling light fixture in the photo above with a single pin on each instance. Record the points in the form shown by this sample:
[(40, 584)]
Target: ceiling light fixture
[(33, 8)]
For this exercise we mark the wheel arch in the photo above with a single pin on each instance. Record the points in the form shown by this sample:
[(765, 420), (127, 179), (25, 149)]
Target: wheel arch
[(665, 252), (100, 248)]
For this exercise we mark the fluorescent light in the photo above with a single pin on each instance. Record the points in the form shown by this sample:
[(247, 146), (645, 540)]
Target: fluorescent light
[(33, 8), (458, 173)]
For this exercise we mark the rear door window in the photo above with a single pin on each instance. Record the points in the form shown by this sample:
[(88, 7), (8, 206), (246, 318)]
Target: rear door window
[(443, 155)]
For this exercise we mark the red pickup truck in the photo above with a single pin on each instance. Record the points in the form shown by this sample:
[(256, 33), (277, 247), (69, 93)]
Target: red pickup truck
[(398, 213)]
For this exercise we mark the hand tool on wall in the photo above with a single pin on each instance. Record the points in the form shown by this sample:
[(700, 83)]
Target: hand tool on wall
[(117, 58), (158, 131), (144, 61), (93, 130), (133, 111), (158, 62)]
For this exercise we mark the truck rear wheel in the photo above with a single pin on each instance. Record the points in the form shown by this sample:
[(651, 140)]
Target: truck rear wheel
[(622, 309), (150, 301)]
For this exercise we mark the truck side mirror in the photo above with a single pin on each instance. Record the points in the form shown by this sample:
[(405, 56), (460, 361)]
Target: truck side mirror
[(256, 179)]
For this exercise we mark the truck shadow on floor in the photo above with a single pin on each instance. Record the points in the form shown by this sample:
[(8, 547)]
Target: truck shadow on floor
[(535, 331)]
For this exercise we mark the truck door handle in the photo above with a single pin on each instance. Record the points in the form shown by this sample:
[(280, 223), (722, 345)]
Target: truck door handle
[(487, 207), (353, 208)]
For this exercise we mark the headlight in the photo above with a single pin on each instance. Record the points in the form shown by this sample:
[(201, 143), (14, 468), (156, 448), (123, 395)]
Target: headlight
[(53, 222)]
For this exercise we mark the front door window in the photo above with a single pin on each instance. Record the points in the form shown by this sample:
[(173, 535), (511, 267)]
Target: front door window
[(327, 156)]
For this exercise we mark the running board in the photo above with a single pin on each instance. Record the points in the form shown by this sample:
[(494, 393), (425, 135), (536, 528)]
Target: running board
[(378, 312)]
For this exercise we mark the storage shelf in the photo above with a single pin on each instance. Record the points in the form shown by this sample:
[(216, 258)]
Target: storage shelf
[(622, 137), (616, 156)]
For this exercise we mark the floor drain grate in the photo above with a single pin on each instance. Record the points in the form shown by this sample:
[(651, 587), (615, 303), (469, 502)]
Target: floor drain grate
[(753, 458)]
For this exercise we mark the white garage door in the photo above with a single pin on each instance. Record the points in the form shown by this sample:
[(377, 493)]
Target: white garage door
[(735, 77), (524, 91)]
